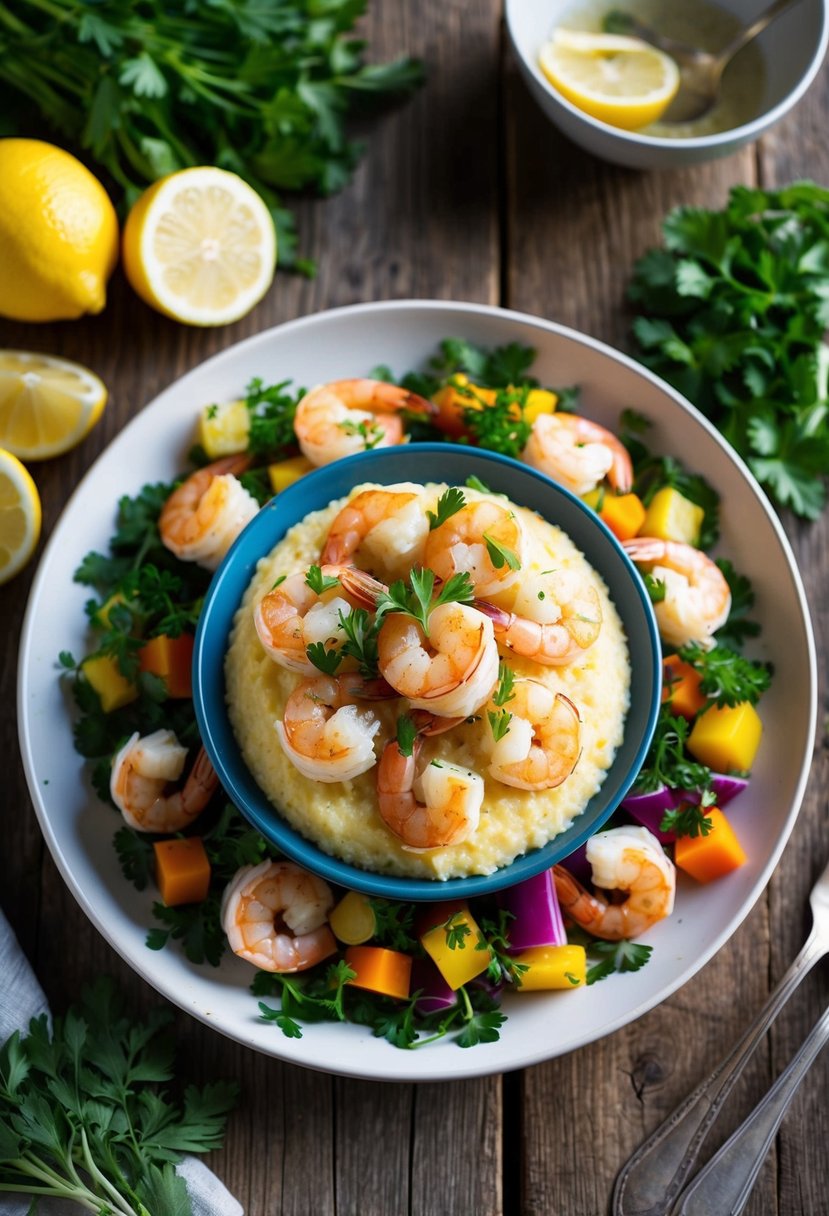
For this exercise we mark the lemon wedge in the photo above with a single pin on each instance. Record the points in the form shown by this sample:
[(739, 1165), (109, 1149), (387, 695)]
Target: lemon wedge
[(47, 405), (200, 246), (19, 516), (619, 80)]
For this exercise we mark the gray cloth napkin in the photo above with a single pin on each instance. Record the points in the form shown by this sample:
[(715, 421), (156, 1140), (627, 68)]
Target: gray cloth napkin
[(22, 998)]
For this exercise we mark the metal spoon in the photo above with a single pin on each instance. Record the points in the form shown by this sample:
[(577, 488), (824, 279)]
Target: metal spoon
[(700, 71), (650, 1182)]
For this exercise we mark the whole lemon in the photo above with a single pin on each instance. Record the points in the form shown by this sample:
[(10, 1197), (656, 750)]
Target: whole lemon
[(58, 234)]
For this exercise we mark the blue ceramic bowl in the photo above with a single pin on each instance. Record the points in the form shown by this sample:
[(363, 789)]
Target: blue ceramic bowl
[(423, 462)]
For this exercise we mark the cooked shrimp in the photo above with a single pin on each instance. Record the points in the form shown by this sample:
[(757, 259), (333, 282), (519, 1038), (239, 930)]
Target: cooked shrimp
[(275, 916), (460, 544), (451, 806), (557, 617), (142, 770), (390, 523), (323, 733), (542, 745), (452, 671), (292, 616), (202, 518), (578, 453), (348, 416), (697, 598), (623, 859)]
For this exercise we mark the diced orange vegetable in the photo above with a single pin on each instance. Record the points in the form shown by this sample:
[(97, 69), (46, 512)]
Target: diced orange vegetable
[(672, 516), (726, 738), (182, 870), (285, 472), (553, 967), (113, 689), (624, 514), (460, 963), (680, 684), (708, 857), (353, 919), (539, 401), (377, 969), (172, 660), (451, 404)]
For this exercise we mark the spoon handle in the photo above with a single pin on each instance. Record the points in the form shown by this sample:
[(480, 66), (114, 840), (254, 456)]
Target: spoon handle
[(756, 27), (650, 1182), (723, 1187)]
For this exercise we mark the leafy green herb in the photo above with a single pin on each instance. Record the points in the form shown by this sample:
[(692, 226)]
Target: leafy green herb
[(615, 956), (406, 734), (503, 966), (83, 1117), (482, 1028), (319, 582), (734, 311), (417, 599), (449, 503), (655, 587), (325, 660), (394, 925), (146, 89), (370, 433), (498, 425), (738, 627), (500, 555), (499, 720), (456, 931), (690, 818), (505, 688), (271, 410), (727, 677), (475, 483), (361, 640), (667, 762)]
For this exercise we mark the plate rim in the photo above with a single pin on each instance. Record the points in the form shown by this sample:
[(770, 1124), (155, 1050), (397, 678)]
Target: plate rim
[(424, 1072)]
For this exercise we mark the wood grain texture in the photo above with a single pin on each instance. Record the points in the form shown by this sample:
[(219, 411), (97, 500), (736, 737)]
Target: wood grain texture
[(467, 193)]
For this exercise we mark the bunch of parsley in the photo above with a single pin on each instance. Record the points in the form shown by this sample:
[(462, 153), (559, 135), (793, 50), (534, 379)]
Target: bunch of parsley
[(83, 1117), (147, 87), (733, 313)]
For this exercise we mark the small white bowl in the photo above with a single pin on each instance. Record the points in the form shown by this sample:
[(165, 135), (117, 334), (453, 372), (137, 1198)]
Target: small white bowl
[(793, 47)]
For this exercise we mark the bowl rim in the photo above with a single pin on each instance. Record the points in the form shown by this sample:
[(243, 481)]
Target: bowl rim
[(744, 133), (213, 720)]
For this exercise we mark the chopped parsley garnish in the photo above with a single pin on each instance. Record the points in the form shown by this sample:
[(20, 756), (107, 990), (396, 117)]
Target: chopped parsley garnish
[(370, 433), (319, 582), (738, 627), (361, 639), (667, 762), (655, 587), (500, 555), (449, 503), (457, 930), (417, 598), (500, 719), (690, 818), (406, 735), (616, 956), (325, 659), (727, 677), (271, 410), (475, 483)]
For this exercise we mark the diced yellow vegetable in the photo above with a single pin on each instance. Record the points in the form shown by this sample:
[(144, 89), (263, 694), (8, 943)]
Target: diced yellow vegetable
[(353, 919), (459, 965), (727, 738), (672, 516), (553, 967), (285, 472), (539, 401), (224, 429), (113, 689)]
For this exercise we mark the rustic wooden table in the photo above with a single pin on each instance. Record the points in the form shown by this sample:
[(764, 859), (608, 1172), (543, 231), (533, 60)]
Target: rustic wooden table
[(466, 193)]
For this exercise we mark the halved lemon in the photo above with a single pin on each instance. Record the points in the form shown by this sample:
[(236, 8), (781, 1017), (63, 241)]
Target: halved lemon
[(19, 516), (47, 405), (619, 80), (200, 246)]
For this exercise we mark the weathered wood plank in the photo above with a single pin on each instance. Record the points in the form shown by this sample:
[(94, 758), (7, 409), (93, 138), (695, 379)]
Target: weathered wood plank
[(450, 1120)]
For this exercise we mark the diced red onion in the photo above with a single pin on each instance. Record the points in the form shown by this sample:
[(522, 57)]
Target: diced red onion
[(578, 865), (536, 913), (436, 995), (650, 809)]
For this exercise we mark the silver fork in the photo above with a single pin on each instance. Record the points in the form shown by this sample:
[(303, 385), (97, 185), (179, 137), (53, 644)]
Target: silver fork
[(648, 1185)]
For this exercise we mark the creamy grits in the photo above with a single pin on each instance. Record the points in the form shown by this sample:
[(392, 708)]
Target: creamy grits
[(342, 817)]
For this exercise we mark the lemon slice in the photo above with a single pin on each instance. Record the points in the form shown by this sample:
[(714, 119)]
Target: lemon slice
[(621, 81), (200, 246), (47, 405), (19, 516)]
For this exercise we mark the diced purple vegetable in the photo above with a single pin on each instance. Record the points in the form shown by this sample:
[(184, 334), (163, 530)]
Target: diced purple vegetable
[(536, 913), (493, 988), (436, 996), (578, 865), (650, 809), (726, 787)]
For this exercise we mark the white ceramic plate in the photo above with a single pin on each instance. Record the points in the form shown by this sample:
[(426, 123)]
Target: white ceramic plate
[(349, 342)]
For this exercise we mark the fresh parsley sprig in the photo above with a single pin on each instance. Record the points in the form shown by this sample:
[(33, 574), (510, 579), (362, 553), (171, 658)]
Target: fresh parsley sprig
[(499, 719), (360, 643), (727, 677), (667, 762), (449, 503), (319, 582), (690, 818), (417, 598), (500, 555), (83, 1117)]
